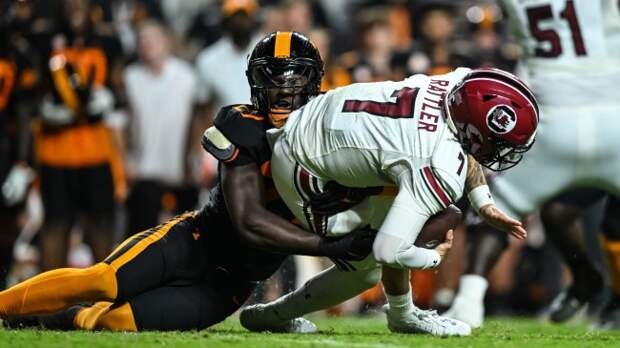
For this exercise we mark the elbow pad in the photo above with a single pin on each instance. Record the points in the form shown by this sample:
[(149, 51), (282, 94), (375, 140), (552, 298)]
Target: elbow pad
[(214, 142)]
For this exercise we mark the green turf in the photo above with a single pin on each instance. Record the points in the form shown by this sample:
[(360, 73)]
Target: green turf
[(336, 332)]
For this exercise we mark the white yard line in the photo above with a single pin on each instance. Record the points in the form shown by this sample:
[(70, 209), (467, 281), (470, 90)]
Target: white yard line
[(334, 343)]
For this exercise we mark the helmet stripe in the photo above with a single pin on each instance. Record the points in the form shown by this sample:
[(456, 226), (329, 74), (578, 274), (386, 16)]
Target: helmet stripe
[(282, 47)]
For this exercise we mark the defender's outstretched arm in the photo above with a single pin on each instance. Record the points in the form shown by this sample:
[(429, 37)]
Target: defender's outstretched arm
[(244, 194)]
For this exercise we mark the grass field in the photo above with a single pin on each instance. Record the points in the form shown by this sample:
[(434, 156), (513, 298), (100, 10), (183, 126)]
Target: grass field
[(336, 332)]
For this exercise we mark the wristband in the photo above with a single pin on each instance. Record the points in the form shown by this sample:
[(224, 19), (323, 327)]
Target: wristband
[(479, 197)]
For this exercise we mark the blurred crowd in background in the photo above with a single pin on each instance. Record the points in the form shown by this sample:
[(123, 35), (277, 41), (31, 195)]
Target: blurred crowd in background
[(103, 103)]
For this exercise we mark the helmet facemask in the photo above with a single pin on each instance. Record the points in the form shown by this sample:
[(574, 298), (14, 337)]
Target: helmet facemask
[(282, 85), (505, 156)]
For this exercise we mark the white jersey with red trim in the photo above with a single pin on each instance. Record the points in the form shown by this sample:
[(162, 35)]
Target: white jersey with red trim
[(383, 134), (565, 39)]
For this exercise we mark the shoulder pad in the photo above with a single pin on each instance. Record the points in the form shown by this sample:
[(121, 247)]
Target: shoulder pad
[(215, 143), (241, 125)]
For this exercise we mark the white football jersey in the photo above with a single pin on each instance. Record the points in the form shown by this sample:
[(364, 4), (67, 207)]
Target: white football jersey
[(567, 38), (385, 134)]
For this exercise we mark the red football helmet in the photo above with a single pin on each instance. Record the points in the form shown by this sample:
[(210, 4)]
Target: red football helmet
[(496, 116)]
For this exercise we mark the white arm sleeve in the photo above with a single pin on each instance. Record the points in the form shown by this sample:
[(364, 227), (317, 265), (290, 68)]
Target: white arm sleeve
[(421, 195), (394, 242)]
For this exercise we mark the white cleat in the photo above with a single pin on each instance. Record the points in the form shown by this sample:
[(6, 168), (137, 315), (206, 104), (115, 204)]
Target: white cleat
[(260, 318), (426, 322), (467, 310)]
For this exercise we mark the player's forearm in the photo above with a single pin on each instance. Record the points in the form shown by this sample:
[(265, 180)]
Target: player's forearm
[(475, 175), (265, 230), (476, 186)]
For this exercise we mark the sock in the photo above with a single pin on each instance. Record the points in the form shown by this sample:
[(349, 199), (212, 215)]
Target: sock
[(400, 305), (55, 290), (324, 290), (473, 287)]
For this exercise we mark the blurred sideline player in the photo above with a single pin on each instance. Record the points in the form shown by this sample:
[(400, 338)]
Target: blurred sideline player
[(78, 160), (17, 80), (573, 64), (394, 134), (198, 268)]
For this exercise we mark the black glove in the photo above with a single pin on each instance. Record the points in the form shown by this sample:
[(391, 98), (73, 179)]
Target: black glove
[(337, 198), (354, 246)]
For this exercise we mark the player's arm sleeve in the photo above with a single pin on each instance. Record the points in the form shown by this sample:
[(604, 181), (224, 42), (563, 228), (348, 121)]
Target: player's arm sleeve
[(421, 194)]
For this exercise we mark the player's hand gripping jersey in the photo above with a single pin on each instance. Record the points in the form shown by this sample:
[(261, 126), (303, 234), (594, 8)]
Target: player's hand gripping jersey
[(376, 134), (563, 39)]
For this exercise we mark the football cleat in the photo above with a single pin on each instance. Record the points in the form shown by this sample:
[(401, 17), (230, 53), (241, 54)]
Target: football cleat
[(62, 320), (565, 306), (259, 318), (576, 298), (610, 316), (426, 322)]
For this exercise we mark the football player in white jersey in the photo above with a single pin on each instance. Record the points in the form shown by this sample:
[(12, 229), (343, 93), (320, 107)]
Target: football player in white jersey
[(572, 63), (415, 135)]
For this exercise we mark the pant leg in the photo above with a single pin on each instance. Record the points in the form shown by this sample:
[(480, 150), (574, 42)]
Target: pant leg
[(193, 307), (143, 262), (97, 206), (143, 206), (8, 235)]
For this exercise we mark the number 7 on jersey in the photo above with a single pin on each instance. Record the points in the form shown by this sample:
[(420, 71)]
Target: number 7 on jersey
[(402, 108)]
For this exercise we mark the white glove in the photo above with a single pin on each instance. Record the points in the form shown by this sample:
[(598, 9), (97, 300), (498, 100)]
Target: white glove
[(56, 114), (101, 101), (16, 184)]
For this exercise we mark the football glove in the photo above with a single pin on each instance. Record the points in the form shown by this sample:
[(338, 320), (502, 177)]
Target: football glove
[(15, 186), (354, 246), (336, 198)]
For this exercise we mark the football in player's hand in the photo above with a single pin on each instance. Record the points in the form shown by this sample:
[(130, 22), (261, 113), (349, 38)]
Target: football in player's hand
[(434, 231)]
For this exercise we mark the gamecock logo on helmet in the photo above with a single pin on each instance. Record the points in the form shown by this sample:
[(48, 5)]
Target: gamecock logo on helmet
[(501, 119)]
